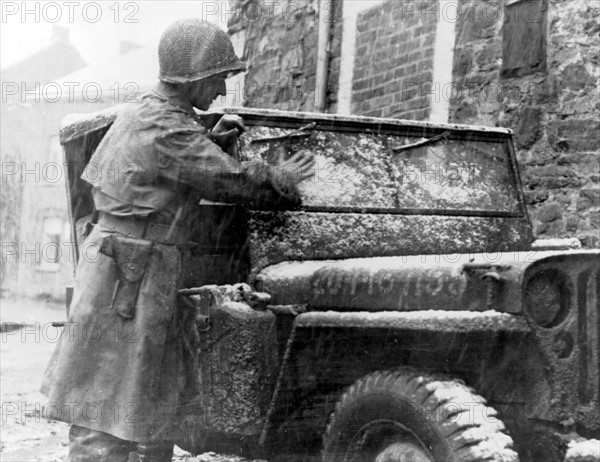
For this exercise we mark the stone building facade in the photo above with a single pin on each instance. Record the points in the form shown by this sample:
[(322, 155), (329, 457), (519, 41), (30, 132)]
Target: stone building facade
[(38, 258), (33, 214), (279, 42), (528, 65), (553, 106)]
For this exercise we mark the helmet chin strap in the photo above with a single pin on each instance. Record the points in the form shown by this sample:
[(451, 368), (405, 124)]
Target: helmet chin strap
[(203, 92)]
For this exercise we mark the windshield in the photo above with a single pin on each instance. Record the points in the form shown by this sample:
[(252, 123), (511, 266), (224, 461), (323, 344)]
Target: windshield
[(447, 172)]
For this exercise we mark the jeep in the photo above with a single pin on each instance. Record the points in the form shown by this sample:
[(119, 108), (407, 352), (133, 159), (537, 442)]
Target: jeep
[(403, 313)]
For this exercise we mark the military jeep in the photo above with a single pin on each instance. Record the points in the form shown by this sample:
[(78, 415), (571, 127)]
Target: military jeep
[(403, 313)]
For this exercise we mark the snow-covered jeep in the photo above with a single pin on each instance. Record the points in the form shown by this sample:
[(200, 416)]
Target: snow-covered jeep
[(404, 313)]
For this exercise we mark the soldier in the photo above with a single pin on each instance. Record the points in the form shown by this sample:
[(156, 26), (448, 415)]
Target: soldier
[(118, 374)]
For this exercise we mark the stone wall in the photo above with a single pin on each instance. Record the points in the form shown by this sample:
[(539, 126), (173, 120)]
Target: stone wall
[(551, 105), (529, 65), (394, 60), (280, 47)]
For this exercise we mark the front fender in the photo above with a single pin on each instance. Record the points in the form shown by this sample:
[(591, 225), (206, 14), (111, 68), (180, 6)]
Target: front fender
[(328, 351), (431, 320)]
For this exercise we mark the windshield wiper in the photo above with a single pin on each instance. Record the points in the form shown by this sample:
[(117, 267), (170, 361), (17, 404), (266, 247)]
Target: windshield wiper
[(295, 134), (418, 144)]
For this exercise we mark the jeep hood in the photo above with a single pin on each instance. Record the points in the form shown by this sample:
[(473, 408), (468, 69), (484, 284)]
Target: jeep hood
[(473, 282)]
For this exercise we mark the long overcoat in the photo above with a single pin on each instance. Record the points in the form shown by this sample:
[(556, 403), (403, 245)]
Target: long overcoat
[(124, 372)]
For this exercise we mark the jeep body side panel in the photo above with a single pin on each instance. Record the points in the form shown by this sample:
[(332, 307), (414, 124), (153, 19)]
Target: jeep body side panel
[(237, 367)]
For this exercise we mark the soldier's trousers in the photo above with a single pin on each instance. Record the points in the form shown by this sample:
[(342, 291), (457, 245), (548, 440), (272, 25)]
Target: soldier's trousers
[(86, 445)]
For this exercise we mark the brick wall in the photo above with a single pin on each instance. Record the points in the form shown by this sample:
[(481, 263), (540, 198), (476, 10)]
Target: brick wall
[(394, 60), (553, 108), (281, 52)]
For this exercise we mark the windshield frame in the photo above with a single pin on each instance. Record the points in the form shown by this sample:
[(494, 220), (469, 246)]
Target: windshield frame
[(396, 127)]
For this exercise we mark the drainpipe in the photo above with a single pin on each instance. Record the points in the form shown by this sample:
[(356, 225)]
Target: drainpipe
[(323, 52)]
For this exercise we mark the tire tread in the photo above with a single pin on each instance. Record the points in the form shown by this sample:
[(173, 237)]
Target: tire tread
[(471, 439)]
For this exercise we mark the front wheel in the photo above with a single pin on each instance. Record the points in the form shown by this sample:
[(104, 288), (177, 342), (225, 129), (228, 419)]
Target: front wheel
[(407, 416)]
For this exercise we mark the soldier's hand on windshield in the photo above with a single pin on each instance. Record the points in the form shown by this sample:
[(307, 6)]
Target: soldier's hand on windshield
[(299, 167), (276, 155), (227, 130)]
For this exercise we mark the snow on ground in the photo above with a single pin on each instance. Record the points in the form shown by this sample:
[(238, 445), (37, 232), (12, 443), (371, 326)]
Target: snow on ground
[(583, 451), (25, 435)]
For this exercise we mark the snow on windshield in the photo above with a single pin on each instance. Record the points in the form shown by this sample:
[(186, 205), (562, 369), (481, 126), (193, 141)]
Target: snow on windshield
[(363, 170)]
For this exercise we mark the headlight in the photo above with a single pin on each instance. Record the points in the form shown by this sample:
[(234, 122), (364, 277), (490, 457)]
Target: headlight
[(548, 297)]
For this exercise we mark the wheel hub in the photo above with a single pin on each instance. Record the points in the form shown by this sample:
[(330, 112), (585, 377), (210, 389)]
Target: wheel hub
[(403, 452), (387, 441)]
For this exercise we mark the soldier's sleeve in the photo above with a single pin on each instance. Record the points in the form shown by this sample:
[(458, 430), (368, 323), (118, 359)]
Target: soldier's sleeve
[(186, 155)]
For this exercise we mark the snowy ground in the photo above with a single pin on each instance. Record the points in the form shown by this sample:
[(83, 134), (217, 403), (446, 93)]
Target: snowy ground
[(24, 353), (585, 451), (25, 435)]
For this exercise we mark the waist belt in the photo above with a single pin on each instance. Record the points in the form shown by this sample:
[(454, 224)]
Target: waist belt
[(144, 228)]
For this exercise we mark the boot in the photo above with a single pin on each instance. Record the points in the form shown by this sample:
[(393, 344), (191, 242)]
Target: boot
[(153, 451), (87, 445)]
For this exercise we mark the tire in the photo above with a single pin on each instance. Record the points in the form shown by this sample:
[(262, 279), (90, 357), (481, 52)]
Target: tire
[(404, 415)]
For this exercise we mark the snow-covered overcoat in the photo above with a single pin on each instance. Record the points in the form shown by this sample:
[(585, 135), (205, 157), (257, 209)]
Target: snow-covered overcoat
[(120, 364)]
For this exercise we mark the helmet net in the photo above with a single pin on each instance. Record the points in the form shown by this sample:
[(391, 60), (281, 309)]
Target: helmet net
[(192, 49)]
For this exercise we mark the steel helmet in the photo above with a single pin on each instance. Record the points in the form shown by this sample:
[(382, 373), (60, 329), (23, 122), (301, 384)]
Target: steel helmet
[(192, 49)]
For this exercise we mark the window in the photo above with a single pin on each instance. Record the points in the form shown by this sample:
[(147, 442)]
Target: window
[(524, 38)]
